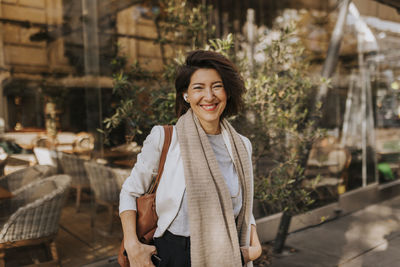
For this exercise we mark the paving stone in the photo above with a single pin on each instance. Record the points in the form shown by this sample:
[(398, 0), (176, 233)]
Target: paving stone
[(367, 238), (385, 255), (305, 258)]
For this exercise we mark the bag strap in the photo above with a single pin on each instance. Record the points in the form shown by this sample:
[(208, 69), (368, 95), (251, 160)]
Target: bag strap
[(168, 129)]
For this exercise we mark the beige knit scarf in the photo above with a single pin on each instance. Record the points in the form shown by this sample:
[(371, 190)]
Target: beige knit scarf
[(215, 237)]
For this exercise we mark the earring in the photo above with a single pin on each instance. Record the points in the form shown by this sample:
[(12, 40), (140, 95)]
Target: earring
[(185, 96)]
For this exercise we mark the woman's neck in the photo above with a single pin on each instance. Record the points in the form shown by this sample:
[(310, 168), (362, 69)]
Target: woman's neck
[(211, 127)]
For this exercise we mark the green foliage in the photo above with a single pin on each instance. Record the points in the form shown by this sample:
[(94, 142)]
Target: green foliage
[(222, 46), (148, 98), (184, 23), (131, 87), (276, 119), (279, 191)]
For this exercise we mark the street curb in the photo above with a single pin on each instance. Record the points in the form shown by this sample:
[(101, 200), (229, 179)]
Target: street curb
[(348, 202)]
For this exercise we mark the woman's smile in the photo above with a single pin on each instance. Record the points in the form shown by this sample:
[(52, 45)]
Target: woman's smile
[(209, 107)]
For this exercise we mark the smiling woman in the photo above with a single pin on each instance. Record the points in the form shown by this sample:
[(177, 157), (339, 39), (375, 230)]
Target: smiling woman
[(232, 82), (206, 220), (207, 98)]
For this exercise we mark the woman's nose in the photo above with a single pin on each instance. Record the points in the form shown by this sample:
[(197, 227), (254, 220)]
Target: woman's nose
[(209, 93)]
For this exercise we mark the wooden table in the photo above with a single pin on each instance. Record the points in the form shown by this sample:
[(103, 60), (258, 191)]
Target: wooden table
[(124, 163), (24, 139), (114, 155)]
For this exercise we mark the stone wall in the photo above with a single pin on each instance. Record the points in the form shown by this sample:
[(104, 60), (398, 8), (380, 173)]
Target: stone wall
[(23, 19), (137, 36)]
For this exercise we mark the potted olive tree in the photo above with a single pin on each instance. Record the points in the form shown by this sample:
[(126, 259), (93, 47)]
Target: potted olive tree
[(278, 122)]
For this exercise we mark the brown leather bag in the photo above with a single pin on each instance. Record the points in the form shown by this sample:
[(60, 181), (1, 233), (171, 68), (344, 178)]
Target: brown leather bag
[(146, 216)]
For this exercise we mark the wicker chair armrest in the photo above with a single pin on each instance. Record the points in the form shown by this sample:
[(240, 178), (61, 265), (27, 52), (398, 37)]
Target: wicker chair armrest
[(42, 214), (11, 181), (14, 181), (38, 218), (103, 182)]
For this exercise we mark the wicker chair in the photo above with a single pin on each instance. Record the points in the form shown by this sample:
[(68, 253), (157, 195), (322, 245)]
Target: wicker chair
[(73, 166), (104, 184), (121, 175), (17, 179), (31, 217)]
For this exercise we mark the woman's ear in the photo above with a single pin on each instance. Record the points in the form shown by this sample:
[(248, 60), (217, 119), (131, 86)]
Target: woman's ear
[(185, 97)]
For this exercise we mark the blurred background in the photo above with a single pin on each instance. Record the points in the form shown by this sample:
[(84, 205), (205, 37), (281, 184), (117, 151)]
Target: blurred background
[(82, 82)]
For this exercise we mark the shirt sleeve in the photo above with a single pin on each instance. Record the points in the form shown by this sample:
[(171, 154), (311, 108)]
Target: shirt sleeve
[(144, 170)]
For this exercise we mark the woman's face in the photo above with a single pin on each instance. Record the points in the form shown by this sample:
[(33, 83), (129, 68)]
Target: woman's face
[(207, 96)]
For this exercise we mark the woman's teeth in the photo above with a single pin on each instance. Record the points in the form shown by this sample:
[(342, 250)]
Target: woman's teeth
[(209, 107)]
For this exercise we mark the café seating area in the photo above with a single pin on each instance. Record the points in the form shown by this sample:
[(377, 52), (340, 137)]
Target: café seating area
[(50, 224), (31, 216)]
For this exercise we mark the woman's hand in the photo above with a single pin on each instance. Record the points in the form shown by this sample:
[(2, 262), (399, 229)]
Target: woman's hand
[(254, 250), (250, 253), (139, 254)]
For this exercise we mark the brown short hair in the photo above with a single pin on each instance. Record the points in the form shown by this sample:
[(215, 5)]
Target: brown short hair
[(231, 78)]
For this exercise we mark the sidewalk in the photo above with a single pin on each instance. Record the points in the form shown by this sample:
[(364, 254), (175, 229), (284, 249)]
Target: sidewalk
[(367, 238)]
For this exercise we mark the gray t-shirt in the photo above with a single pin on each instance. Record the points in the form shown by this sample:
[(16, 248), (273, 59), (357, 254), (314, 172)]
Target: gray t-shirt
[(180, 225)]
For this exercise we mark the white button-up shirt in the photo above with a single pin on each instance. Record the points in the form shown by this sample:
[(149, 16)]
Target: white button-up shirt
[(171, 189)]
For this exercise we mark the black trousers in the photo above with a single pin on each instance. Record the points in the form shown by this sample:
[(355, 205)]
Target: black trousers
[(174, 250)]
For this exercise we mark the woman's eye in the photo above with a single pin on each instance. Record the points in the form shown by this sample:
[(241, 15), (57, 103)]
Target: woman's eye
[(198, 87), (218, 86)]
